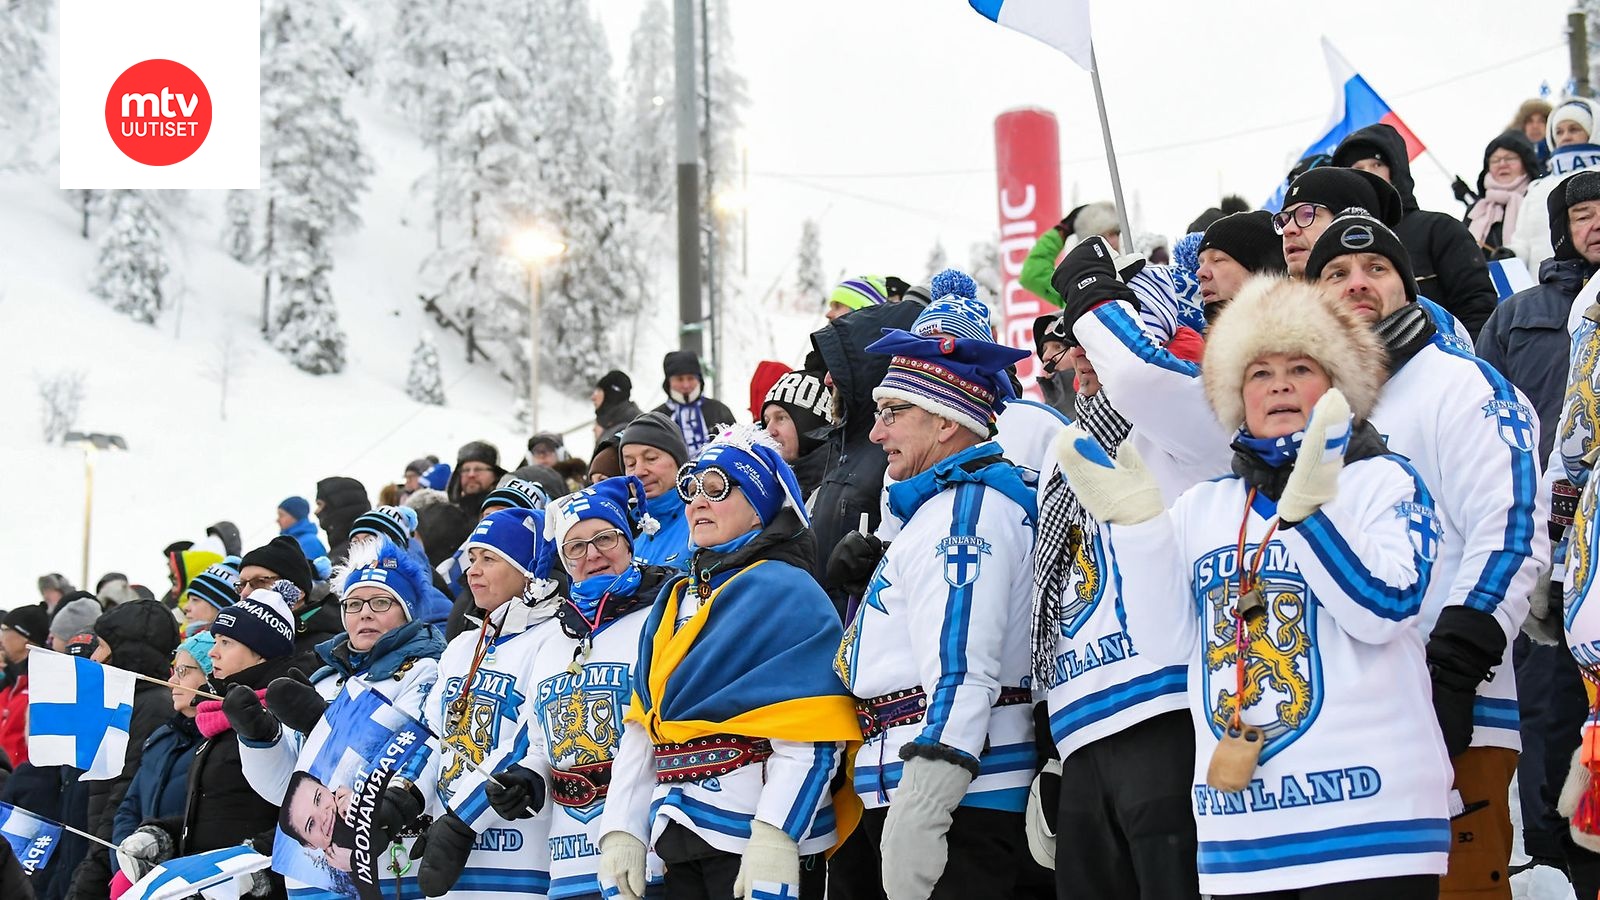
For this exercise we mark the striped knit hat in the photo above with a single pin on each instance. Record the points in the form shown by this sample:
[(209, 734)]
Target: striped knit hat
[(860, 292), (959, 379), (957, 311), (217, 584), (397, 523)]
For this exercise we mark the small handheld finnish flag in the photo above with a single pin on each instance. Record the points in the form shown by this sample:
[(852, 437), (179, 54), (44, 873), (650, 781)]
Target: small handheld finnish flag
[(32, 839), (78, 714), (214, 875)]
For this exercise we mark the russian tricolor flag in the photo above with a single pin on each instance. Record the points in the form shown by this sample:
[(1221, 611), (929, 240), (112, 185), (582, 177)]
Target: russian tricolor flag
[(1063, 24), (1355, 106)]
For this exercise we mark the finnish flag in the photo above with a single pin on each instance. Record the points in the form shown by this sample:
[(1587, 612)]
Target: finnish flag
[(78, 714), (32, 838), (216, 875)]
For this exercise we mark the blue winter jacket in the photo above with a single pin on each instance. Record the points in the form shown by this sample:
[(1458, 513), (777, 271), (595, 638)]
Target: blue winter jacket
[(161, 783), (305, 531), (669, 546), (1526, 340), (413, 640)]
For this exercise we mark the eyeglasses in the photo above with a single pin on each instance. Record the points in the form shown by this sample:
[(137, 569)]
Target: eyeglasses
[(1302, 215), (713, 482), (258, 583), (379, 604), (476, 470), (1501, 158), (604, 542), (181, 672), (886, 414)]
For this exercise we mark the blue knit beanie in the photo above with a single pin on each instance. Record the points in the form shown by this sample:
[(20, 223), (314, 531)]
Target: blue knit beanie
[(517, 536), (297, 508)]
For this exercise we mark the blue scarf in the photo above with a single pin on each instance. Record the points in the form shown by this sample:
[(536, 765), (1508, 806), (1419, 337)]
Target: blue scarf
[(907, 496), (692, 423), (587, 594), (1275, 452)]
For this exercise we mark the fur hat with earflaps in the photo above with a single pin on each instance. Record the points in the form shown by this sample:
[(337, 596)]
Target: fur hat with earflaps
[(1276, 315)]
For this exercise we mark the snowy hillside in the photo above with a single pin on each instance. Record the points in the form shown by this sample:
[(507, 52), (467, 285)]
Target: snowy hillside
[(159, 386)]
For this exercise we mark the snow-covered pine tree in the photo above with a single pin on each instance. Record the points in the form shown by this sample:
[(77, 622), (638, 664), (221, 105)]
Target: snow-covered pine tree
[(809, 285), (315, 169), (647, 106), (424, 383), (729, 96), (424, 69), (936, 259), (985, 270), (594, 285), (22, 76), (484, 177), (239, 229), (132, 261)]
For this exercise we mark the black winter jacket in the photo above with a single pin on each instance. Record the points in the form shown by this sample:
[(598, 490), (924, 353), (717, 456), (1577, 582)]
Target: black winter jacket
[(55, 793), (1526, 341), (853, 480), (152, 708), (1445, 260)]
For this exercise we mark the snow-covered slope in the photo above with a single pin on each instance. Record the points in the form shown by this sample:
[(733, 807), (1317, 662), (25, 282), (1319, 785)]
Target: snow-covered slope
[(159, 386)]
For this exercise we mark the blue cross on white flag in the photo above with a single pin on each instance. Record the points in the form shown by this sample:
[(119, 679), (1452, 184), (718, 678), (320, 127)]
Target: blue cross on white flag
[(32, 838), (215, 876), (78, 714), (1063, 24)]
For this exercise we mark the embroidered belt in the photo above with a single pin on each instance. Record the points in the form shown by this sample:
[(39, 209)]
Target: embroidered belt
[(580, 785), (1563, 502), (708, 757), (907, 707)]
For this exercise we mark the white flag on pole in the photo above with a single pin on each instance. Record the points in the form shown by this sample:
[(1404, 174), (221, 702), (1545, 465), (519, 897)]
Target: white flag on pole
[(1063, 24)]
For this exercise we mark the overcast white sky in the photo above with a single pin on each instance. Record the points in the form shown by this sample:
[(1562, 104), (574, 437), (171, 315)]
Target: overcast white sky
[(855, 102)]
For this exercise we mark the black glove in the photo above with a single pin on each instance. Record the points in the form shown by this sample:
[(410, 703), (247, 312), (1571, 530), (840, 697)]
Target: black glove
[(1463, 650), (852, 562), (1463, 192), (449, 844), (522, 795), (398, 809), (250, 720), (1088, 277), (295, 702)]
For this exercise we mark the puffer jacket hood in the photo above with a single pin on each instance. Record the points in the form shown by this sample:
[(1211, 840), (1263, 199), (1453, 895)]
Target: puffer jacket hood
[(1392, 147), (842, 344), (142, 636), (343, 499)]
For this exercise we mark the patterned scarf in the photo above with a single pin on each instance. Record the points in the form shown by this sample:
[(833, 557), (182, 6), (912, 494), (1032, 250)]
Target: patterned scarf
[(1063, 524), (691, 422)]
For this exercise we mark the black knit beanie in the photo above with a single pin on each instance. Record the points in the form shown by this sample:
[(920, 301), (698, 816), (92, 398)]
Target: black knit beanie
[(807, 399), (1248, 237), (282, 556), (1357, 232), (1341, 189)]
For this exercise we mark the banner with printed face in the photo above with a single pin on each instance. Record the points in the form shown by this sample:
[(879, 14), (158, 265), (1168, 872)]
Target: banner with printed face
[(324, 834)]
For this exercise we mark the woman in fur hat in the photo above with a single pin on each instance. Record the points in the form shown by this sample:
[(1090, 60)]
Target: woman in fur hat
[(1291, 588)]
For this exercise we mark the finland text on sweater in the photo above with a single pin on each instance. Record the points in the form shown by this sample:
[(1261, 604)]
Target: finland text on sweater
[(1353, 779)]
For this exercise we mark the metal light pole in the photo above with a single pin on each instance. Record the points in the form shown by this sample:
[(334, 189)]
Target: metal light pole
[(535, 247), (690, 315), (91, 442)]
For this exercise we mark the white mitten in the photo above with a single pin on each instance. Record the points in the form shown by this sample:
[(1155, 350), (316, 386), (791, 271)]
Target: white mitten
[(143, 850), (1315, 477), (622, 864), (1037, 818), (914, 848), (1121, 492), (771, 858)]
